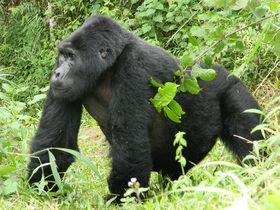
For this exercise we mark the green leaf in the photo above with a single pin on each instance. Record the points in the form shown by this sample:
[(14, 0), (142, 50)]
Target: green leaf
[(273, 5), (158, 18), (168, 92), (37, 98), (219, 33), (146, 28), (239, 45), (54, 170), (193, 40), (147, 13), (5, 169), (239, 70), (156, 101), (183, 161), (155, 83), (178, 73), (179, 139), (204, 74), (9, 186), (241, 4), (208, 60), (219, 47), (179, 19), (171, 115), (8, 88), (183, 142), (191, 86), (176, 108), (186, 60), (207, 74), (277, 45), (197, 31)]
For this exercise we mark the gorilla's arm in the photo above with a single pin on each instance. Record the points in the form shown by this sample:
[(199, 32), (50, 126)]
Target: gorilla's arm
[(59, 126)]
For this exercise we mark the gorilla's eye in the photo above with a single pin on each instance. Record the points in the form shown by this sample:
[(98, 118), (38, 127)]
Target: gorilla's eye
[(103, 53), (68, 55)]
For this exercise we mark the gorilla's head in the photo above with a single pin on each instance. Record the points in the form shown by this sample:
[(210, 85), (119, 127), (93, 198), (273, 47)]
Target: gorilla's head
[(85, 55)]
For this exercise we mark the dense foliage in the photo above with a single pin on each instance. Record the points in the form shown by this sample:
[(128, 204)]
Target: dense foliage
[(242, 35)]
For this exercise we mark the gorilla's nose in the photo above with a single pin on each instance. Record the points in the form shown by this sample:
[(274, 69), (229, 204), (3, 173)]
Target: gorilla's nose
[(57, 79)]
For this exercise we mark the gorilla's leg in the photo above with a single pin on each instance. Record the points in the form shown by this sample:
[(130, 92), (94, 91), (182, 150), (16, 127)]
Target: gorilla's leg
[(237, 124), (59, 126)]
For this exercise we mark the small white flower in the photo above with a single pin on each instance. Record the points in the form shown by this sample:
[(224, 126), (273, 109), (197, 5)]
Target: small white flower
[(133, 180)]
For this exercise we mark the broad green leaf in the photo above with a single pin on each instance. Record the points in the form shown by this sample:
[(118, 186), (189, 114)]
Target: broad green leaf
[(168, 92), (176, 108), (179, 19), (232, 38), (171, 115), (191, 86), (186, 60), (159, 6), (183, 142), (204, 74), (198, 31), (219, 47), (219, 33), (9, 186), (146, 28), (37, 98), (273, 5), (240, 4), (208, 74), (208, 60), (156, 102), (178, 73), (8, 88), (6, 169), (193, 40), (158, 18), (148, 12), (239, 45)]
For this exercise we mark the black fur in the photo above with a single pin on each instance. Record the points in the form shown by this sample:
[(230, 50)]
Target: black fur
[(108, 70)]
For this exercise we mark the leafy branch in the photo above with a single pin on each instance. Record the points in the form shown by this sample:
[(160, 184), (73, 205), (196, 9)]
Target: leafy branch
[(234, 32), (187, 82), (181, 142)]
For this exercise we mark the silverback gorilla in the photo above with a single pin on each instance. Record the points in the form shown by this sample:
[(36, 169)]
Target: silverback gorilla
[(108, 70)]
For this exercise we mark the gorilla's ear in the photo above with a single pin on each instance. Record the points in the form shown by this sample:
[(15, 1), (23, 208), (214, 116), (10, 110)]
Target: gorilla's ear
[(103, 53)]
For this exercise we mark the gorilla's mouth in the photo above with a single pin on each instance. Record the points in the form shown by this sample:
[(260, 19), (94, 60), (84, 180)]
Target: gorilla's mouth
[(59, 90)]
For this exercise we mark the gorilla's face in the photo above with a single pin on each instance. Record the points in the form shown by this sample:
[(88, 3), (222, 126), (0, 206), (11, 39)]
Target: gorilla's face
[(63, 77), (69, 80), (84, 56)]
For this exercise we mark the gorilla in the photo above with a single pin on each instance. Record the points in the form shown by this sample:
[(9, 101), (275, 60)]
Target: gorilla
[(108, 70)]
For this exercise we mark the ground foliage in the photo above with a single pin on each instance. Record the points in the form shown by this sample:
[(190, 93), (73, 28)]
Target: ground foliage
[(242, 35)]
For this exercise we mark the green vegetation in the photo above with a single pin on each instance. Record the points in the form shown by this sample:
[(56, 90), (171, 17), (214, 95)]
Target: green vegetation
[(242, 35)]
